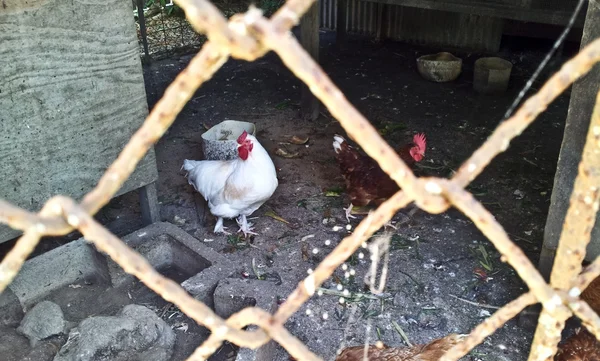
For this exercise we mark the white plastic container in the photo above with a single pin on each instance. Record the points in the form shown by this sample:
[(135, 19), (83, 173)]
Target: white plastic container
[(219, 142), (491, 75)]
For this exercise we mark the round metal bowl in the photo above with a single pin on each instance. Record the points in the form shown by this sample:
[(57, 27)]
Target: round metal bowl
[(441, 67), (219, 142)]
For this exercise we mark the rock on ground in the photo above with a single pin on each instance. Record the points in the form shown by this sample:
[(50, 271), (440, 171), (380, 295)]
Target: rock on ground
[(11, 311), (136, 334), (13, 347), (44, 320)]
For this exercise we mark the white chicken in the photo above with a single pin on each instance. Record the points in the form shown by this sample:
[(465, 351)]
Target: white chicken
[(235, 188)]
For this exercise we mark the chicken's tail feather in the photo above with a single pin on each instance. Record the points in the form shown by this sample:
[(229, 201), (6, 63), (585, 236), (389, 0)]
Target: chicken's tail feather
[(188, 165), (338, 141)]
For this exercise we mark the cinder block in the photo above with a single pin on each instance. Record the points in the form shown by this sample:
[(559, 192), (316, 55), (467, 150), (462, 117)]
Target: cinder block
[(233, 295), (177, 255), (71, 263)]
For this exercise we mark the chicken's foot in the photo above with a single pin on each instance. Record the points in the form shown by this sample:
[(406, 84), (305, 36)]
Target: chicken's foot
[(219, 228), (389, 224), (245, 226), (348, 212)]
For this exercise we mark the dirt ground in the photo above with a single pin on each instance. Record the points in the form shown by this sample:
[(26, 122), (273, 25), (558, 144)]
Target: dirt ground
[(444, 275)]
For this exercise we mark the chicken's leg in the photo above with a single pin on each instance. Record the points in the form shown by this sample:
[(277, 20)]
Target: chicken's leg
[(245, 227), (348, 211), (219, 228)]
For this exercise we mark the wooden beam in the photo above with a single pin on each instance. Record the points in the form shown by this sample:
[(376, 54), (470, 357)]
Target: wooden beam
[(309, 37), (493, 9)]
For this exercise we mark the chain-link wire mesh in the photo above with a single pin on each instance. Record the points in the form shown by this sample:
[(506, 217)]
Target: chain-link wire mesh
[(249, 36), (163, 29)]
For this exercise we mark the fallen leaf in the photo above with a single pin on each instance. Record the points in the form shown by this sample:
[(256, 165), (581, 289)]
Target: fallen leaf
[(304, 250), (360, 210), (333, 192), (285, 154), (275, 216), (298, 140), (284, 104), (480, 272)]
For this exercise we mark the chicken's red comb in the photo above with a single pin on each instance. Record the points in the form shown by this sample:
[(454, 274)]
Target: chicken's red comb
[(242, 137), (420, 141)]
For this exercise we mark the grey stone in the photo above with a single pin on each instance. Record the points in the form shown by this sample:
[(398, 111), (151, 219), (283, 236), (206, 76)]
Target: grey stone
[(45, 350), (136, 334), (73, 262), (11, 311), (42, 321)]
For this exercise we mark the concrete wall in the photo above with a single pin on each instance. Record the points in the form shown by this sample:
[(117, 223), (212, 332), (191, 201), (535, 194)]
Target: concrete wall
[(71, 95)]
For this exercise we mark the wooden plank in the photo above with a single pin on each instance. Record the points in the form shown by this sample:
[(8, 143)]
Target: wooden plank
[(341, 35), (71, 95), (380, 22), (309, 36), (444, 29), (492, 9)]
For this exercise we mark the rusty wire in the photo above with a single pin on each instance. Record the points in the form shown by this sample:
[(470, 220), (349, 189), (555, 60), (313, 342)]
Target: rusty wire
[(249, 36)]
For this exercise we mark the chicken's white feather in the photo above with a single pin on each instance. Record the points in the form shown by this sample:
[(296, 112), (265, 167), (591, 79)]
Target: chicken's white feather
[(234, 187), (337, 143)]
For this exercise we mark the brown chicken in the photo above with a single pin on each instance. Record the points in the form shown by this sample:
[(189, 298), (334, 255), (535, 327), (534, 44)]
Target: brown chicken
[(582, 346), (366, 182), (591, 295), (432, 351)]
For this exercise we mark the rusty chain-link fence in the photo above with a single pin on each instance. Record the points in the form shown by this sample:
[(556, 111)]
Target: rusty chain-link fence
[(249, 36)]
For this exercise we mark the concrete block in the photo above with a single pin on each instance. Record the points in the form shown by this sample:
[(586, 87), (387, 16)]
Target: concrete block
[(74, 262), (233, 295), (177, 255)]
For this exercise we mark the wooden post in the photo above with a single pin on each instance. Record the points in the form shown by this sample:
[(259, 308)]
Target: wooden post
[(142, 21), (583, 96), (340, 26), (149, 204), (309, 37)]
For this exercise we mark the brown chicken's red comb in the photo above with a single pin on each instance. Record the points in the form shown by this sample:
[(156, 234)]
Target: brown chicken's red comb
[(242, 137), (420, 141)]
